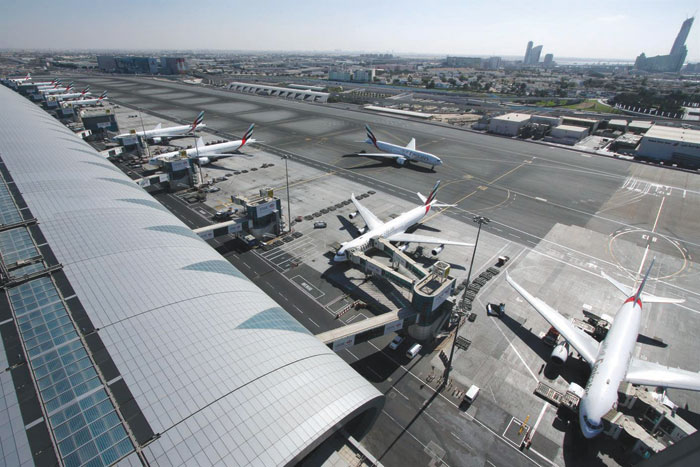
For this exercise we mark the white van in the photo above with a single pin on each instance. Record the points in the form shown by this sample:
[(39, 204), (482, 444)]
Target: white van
[(471, 394), (413, 351)]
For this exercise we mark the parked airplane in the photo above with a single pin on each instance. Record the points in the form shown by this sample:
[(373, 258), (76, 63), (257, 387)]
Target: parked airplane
[(394, 230), (57, 89), (22, 80), (157, 134), (39, 84), (72, 95), (43, 87), (84, 102), (203, 154), (400, 154), (611, 360)]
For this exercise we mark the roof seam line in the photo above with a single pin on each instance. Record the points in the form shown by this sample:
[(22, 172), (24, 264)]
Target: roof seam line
[(241, 387), (175, 303)]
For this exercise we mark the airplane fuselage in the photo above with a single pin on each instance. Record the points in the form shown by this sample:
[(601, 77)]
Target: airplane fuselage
[(70, 95), (412, 155), (156, 133), (397, 225), (204, 151), (610, 368)]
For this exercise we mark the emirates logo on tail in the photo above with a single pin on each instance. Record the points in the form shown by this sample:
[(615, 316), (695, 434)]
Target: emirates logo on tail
[(431, 197), (249, 133), (197, 121)]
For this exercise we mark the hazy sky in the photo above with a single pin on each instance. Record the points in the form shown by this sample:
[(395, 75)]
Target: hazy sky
[(593, 28)]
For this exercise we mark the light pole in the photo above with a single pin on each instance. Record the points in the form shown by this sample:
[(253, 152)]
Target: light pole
[(289, 204), (145, 140), (481, 220)]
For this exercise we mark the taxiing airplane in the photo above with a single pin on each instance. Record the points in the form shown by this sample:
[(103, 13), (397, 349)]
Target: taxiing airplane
[(611, 359), (395, 229), (158, 134), (84, 102), (399, 154), (203, 154)]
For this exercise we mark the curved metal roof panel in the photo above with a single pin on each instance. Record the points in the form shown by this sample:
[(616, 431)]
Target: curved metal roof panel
[(219, 370)]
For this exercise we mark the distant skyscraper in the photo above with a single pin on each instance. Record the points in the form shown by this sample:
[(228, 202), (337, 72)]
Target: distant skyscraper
[(528, 51), (671, 62), (679, 43), (535, 55), (548, 59)]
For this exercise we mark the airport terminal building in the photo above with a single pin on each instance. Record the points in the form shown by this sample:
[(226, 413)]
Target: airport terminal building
[(127, 339)]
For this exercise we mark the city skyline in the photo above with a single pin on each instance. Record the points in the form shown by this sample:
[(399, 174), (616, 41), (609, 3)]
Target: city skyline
[(598, 32)]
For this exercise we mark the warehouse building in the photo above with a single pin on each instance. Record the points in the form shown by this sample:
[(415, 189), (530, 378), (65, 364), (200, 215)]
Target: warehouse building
[(567, 134), (126, 338), (509, 124), (670, 144)]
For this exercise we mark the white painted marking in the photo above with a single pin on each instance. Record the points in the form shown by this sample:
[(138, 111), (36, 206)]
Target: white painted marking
[(314, 322), (544, 200), (402, 394)]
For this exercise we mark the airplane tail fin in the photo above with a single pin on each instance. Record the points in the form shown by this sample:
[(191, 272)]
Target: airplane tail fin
[(102, 96), (200, 142), (197, 121), (639, 294), (158, 126), (248, 134), (370, 135), (431, 197), (85, 91)]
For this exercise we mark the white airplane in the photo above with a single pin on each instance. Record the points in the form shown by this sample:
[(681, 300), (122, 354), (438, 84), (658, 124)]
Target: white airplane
[(399, 154), (56, 90), (157, 134), (43, 87), (611, 360), (40, 84), (21, 80), (203, 154), (394, 230), (72, 95), (84, 102)]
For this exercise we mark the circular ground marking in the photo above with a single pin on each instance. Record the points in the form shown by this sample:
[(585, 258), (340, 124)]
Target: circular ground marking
[(624, 250)]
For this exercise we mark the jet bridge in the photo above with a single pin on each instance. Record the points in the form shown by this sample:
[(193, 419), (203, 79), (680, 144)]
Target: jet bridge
[(429, 290)]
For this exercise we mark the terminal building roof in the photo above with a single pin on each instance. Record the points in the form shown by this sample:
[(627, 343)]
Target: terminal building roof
[(128, 338)]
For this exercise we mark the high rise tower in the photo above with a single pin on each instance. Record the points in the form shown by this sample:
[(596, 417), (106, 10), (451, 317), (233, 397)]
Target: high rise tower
[(679, 43), (528, 51)]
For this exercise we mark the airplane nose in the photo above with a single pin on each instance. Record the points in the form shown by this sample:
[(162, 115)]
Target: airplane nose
[(339, 258)]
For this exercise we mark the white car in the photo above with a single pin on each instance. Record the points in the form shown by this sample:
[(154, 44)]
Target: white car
[(396, 342)]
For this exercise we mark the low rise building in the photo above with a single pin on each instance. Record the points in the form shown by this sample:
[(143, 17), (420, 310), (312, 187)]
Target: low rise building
[(676, 145), (509, 124), (639, 126), (590, 123), (567, 134)]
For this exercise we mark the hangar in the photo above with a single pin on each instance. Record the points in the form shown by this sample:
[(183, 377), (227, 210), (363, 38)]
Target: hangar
[(126, 338), (300, 94)]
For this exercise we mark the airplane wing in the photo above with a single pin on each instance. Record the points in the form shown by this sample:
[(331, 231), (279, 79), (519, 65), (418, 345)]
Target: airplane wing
[(406, 237), (584, 344), (411, 144), (370, 219), (655, 374)]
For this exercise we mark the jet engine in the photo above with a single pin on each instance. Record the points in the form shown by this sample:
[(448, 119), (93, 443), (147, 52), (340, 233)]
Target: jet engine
[(203, 160), (157, 140), (436, 251), (401, 160), (352, 215), (560, 353), (403, 247)]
